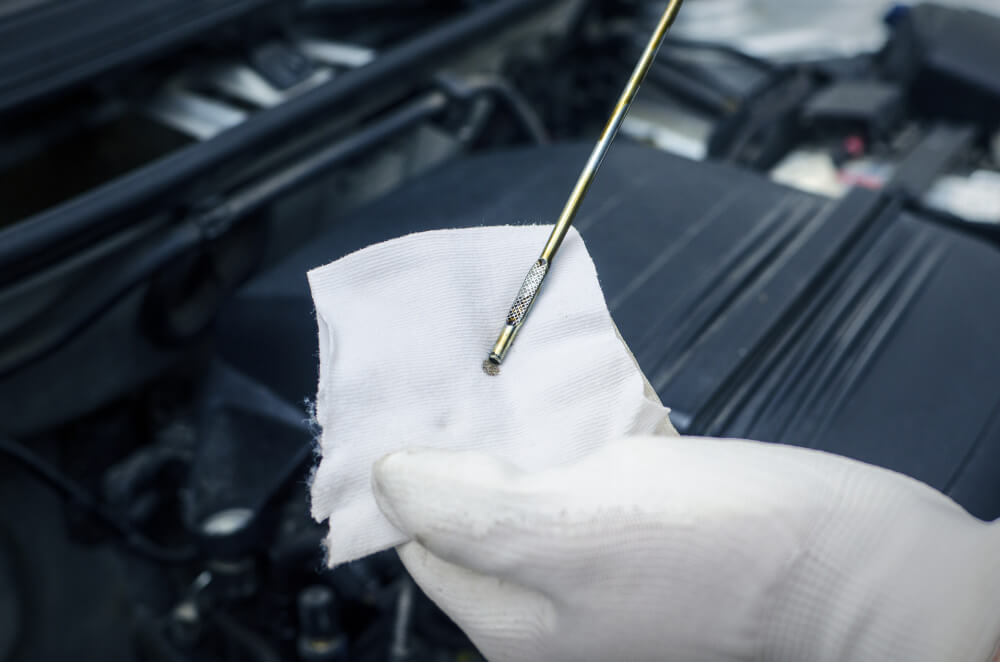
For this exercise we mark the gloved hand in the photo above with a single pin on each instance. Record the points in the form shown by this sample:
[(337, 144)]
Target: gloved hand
[(696, 549)]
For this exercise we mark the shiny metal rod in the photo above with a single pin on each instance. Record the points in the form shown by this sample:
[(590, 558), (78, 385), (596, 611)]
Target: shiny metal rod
[(533, 281)]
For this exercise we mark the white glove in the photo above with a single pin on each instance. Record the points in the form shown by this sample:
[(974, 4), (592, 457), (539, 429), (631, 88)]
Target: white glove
[(696, 549)]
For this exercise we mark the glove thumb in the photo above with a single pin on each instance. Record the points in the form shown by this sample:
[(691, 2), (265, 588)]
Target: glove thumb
[(466, 508)]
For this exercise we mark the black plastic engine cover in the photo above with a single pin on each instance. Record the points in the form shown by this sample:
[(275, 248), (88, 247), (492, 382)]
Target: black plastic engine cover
[(756, 311)]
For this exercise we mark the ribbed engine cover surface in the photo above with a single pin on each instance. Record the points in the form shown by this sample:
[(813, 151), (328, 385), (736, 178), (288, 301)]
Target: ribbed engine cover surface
[(755, 310)]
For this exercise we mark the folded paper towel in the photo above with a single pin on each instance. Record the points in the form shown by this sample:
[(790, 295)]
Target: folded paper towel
[(404, 327)]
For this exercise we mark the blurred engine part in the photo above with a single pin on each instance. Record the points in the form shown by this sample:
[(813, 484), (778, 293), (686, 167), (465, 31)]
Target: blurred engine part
[(143, 478), (799, 31), (975, 198), (870, 109), (199, 214), (947, 56), (50, 45)]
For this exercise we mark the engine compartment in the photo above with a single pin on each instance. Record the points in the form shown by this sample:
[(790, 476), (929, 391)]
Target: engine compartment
[(785, 241)]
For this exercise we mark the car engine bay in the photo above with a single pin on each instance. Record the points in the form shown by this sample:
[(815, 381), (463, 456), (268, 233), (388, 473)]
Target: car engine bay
[(799, 244)]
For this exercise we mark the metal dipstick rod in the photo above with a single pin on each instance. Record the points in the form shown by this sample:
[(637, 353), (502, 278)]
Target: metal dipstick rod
[(533, 281)]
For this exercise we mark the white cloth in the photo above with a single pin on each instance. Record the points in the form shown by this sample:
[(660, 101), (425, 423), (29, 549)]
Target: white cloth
[(404, 327), (695, 550)]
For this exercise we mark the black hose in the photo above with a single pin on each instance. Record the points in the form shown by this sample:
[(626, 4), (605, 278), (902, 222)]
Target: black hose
[(207, 225), (518, 107), (270, 187), (69, 488), (697, 44), (690, 90), (466, 88), (113, 202), (176, 241)]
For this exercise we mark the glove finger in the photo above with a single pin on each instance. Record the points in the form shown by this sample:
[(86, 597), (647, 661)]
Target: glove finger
[(471, 510), (503, 620)]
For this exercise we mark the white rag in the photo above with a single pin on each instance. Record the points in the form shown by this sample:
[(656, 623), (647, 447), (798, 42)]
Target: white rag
[(404, 327)]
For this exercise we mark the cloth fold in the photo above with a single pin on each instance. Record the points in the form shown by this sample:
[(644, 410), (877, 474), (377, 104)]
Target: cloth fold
[(404, 327)]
